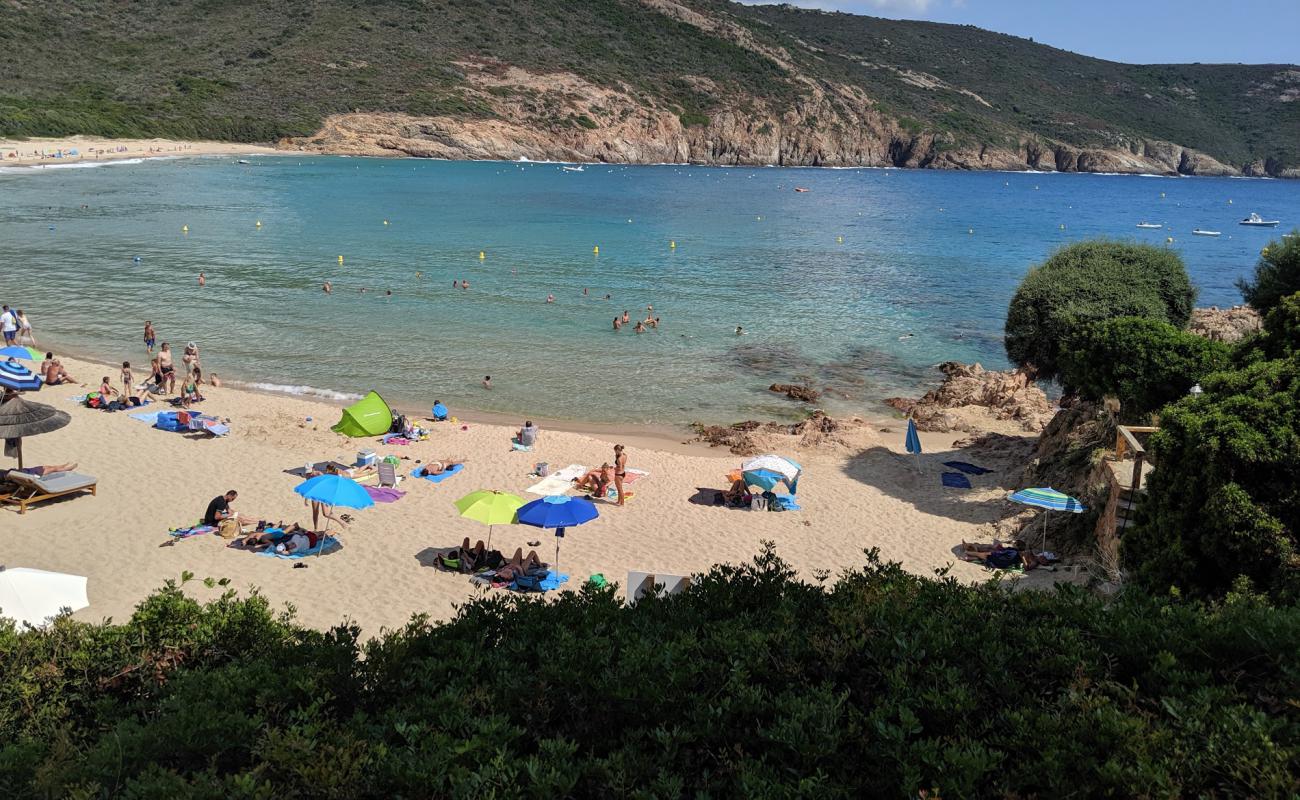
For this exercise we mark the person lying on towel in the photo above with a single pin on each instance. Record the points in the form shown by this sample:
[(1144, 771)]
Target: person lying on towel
[(40, 472), (437, 467), (260, 540)]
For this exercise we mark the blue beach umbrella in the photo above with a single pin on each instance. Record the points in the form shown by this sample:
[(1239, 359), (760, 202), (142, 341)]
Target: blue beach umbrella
[(558, 512), (1048, 499), (787, 468), (18, 377), (335, 490), (913, 441), (18, 351)]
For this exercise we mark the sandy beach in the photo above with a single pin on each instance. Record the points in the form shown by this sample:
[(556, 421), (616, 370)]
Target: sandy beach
[(863, 493), (89, 149)]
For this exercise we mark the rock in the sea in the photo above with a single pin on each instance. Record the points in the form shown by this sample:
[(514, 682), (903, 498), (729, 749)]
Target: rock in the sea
[(968, 388), (795, 391), (1225, 324)]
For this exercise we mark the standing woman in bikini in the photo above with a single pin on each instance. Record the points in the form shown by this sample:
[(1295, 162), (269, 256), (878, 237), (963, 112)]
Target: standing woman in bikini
[(620, 472)]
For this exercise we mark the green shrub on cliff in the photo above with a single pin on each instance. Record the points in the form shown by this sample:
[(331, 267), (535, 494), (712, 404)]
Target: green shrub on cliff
[(1089, 282), (1224, 500), (750, 684), (1146, 363)]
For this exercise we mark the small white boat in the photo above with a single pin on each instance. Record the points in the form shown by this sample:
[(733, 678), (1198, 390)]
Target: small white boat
[(1200, 232), (1256, 221), (244, 161), (1151, 225), (578, 168)]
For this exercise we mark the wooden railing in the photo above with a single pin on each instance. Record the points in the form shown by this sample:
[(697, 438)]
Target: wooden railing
[(1126, 440)]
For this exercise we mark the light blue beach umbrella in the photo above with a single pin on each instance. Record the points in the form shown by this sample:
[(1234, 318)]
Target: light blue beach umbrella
[(1048, 499), (18, 377), (765, 479), (335, 490), (18, 351), (789, 469)]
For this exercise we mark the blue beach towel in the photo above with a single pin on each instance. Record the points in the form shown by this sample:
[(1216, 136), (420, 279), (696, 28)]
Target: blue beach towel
[(151, 417), (787, 502), (552, 581), (956, 480), (418, 472), (324, 547), (969, 469)]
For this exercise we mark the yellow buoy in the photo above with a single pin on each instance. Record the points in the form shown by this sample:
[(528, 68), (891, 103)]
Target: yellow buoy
[(340, 259), (481, 255), (259, 223), (1169, 240), (385, 222), (673, 244), (1229, 201), (185, 229), (970, 230), (760, 219), (839, 239), (596, 249)]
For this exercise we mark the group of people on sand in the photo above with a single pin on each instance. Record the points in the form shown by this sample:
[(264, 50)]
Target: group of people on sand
[(16, 327), (162, 373), (650, 321), (597, 481)]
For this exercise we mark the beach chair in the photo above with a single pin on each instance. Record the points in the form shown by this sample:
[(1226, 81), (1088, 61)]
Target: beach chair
[(35, 489), (387, 475), (640, 584)]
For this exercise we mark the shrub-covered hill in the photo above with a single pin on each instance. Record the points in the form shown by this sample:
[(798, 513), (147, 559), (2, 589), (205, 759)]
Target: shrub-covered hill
[(751, 684), (738, 83)]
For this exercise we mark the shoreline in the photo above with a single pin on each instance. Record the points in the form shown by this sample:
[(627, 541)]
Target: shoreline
[(69, 151)]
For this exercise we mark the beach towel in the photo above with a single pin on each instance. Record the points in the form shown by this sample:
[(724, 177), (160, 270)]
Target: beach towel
[(634, 475), (324, 547), (955, 480), (549, 582), (149, 417), (384, 495), (418, 472), (185, 533), (551, 486), (969, 469), (787, 502), (394, 438), (522, 448)]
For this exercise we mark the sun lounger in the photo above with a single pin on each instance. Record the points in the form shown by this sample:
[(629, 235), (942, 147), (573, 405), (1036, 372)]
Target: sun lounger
[(34, 489), (639, 584), (387, 475)]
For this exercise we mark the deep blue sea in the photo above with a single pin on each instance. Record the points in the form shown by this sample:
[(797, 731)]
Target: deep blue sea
[(861, 284)]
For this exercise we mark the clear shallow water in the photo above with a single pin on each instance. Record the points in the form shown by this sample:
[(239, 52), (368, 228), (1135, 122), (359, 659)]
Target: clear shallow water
[(750, 251)]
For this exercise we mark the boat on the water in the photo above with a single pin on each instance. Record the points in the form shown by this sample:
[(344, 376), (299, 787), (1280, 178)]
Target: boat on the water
[(1152, 225), (578, 168), (800, 189), (1200, 232), (244, 161), (1256, 221)]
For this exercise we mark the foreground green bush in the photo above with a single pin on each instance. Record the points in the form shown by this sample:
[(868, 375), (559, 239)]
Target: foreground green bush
[(1145, 363), (751, 684), (1277, 274), (1090, 282)]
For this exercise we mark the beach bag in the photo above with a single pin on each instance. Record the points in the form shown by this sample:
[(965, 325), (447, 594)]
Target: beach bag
[(228, 528), (529, 583), (1003, 559), (94, 400)]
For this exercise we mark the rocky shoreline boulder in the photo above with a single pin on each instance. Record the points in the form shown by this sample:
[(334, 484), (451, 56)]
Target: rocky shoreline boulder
[(1225, 324), (970, 389)]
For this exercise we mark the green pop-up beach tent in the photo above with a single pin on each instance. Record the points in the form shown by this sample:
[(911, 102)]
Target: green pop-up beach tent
[(369, 416)]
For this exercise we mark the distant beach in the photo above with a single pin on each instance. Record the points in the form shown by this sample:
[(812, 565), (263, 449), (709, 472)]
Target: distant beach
[(67, 151)]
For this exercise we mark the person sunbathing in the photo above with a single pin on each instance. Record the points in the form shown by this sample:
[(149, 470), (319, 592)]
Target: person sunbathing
[(737, 493), (40, 472), (597, 480), (519, 564), (437, 467), (983, 552), (300, 541), (260, 540)]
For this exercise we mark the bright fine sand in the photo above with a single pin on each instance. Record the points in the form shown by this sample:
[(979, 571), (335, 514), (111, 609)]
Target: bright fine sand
[(91, 149), (856, 497)]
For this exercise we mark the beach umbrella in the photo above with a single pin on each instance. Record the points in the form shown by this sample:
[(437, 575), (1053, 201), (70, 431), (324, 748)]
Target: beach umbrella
[(490, 507), (32, 596), (335, 490), (765, 479), (18, 377), (19, 418), (786, 467), (1048, 499), (559, 512), (913, 442), (18, 351)]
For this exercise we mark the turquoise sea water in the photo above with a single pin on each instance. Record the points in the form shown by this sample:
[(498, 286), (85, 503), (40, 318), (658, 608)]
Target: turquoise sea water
[(923, 274)]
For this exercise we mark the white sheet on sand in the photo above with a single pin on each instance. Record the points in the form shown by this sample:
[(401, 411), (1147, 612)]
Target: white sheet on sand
[(550, 486), (570, 472)]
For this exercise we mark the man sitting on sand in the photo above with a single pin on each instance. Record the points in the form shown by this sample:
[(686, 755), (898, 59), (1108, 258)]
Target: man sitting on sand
[(527, 435), (437, 467), (55, 374)]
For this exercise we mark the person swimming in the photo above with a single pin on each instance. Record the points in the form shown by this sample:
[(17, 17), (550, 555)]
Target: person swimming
[(550, 298), (618, 323), (640, 328), (740, 331)]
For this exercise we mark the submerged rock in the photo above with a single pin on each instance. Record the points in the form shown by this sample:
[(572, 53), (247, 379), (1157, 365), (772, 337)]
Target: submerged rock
[(795, 391)]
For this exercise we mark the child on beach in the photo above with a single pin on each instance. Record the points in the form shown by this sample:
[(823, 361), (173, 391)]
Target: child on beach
[(128, 382)]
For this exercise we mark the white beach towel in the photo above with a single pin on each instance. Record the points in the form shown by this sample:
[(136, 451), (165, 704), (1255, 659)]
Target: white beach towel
[(551, 486), (570, 472)]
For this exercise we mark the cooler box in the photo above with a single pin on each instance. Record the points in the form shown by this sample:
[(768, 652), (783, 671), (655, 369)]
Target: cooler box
[(366, 458)]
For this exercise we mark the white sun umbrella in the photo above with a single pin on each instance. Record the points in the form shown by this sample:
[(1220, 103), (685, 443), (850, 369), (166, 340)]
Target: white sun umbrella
[(779, 464), (32, 596)]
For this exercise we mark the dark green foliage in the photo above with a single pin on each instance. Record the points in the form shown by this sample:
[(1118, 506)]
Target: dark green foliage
[(1277, 274), (751, 684), (586, 122), (236, 70), (1146, 363), (1088, 282), (689, 118), (1224, 500), (1282, 327)]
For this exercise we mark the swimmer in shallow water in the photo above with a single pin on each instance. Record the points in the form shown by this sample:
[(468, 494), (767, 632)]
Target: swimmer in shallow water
[(740, 331)]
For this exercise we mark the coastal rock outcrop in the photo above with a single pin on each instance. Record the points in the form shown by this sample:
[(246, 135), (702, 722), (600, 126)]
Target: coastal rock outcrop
[(1225, 324), (817, 432), (969, 389), (796, 391)]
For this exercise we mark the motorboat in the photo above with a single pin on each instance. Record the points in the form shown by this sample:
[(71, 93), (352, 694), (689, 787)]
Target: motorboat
[(243, 161), (1151, 225), (1200, 232), (578, 168), (1256, 221), (800, 189)]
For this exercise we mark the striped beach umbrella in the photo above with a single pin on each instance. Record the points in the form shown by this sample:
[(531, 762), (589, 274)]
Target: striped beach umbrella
[(1048, 499), (18, 377)]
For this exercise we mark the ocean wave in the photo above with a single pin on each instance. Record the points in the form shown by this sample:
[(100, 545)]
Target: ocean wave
[(298, 391), (87, 164)]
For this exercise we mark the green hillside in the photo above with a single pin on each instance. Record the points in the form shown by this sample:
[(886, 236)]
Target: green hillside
[(248, 71)]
